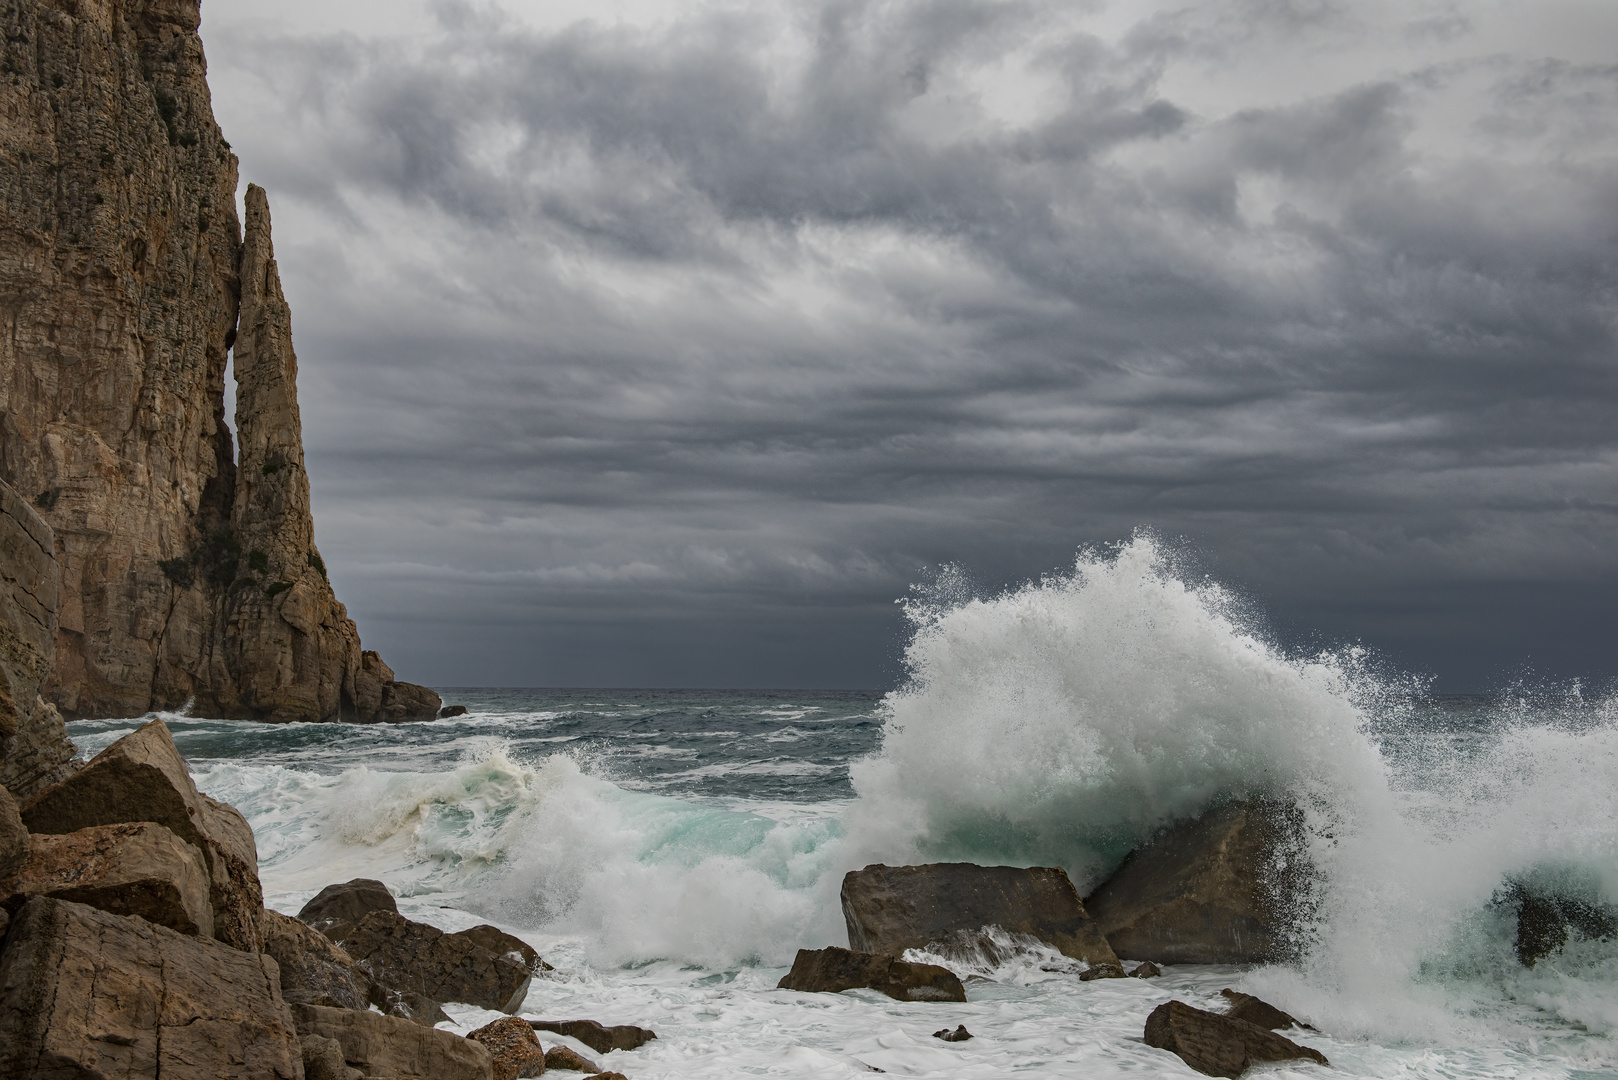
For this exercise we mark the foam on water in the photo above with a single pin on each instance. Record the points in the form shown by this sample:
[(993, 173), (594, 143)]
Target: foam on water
[(666, 870)]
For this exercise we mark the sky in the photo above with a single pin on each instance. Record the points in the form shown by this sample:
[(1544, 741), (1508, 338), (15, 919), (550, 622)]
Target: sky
[(669, 344)]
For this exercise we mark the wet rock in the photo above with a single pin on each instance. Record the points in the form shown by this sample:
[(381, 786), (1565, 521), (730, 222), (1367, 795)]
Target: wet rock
[(451, 710), (414, 957), (142, 777), (336, 908), (386, 1046), (596, 1036), (86, 993), (889, 909), (960, 1034), (1103, 971), (562, 1057), (313, 970), (1221, 889), (905, 981), (514, 1049), (832, 970), (323, 1060), (1146, 970), (13, 836), (34, 747), (501, 943), (1257, 1011), (1546, 921), (139, 868), (1218, 1045)]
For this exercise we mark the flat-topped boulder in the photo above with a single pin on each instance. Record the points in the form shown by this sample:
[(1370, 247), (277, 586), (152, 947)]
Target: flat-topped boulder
[(414, 957), (89, 994), (1221, 889), (393, 1049), (1217, 1045), (832, 970), (889, 909)]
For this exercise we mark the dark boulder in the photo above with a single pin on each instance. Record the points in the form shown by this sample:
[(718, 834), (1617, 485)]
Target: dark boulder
[(905, 981), (832, 970), (451, 710), (385, 1046), (960, 1034), (13, 836), (1146, 970), (597, 1036), (501, 943), (323, 1060), (1218, 1045), (514, 1049), (1222, 889), (1258, 1011), (416, 958), (889, 909), (1103, 971), (338, 907), (313, 970), (1547, 920)]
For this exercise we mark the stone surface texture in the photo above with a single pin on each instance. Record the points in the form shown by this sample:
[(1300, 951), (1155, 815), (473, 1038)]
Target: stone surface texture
[(1218, 1045), (385, 1046), (313, 970), (142, 777), (889, 909), (1221, 889), (323, 1060), (501, 943), (833, 970), (34, 748), (338, 907), (88, 994), (1258, 1011), (137, 868), (513, 1048), (14, 840), (565, 1057), (410, 956), (122, 271), (596, 1035)]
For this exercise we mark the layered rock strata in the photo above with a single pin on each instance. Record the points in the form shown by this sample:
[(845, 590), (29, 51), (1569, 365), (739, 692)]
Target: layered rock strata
[(123, 276)]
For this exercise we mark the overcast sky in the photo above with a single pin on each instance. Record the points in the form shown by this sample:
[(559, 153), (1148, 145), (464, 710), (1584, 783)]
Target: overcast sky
[(669, 343)]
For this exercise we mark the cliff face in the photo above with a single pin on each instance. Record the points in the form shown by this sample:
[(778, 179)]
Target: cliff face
[(120, 289)]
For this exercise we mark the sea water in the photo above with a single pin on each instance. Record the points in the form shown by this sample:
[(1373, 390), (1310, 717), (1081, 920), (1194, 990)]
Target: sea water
[(669, 851)]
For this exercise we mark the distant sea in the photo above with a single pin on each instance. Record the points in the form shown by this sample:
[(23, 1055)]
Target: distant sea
[(669, 850)]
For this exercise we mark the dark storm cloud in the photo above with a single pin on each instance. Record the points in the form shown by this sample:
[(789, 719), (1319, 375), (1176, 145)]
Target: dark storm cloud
[(673, 352)]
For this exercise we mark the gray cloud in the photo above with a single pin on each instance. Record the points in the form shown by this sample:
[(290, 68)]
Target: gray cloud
[(672, 351)]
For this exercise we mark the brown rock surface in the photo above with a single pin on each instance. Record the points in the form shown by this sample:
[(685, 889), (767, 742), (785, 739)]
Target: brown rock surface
[(906, 981), (513, 1047), (137, 868), (122, 275), (411, 956), (336, 908), (34, 748), (1258, 1011), (501, 943), (323, 1060), (142, 777), (563, 1057), (889, 909), (13, 836), (88, 994), (598, 1036), (832, 970), (313, 970), (385, 1046), (1218, 1045)]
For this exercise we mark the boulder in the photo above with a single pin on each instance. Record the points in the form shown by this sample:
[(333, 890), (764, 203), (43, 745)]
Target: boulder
[(1545, 921), (1257, 1011), (323, 1060), (960, 1034), (1146, 970), (142, 777), (336, 908), (313, 970), (596, 1036), (889, 909), (88, 994), (139, 868), (1222, 889), (501, 943), (388, 1047), (414, 957), (407, 1005), (1103, 971), (13, 836), (513, 1048), (562, 1057), (1218, 1045), (451, 710), (832, 970)]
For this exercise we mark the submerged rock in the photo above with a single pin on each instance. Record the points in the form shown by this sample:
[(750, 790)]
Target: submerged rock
[(889, 909), (1218, 1045), (596, 1036), (1221, 889), (513, 1047), (832, 970)]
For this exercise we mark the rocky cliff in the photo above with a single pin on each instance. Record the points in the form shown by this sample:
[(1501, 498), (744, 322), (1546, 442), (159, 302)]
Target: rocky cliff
[(183, 575)]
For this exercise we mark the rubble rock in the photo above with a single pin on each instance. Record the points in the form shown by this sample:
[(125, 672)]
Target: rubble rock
[(889, 909), (138, 868), (563, 1057), (1221, 889), (1218, 1045), (410, 956), (597, 1037), (338, 907), (513, 1047), (313, 970), (86, 993), (388, 1047)]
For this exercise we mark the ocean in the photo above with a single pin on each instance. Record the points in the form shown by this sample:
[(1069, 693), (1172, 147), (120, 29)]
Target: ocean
[(669, 850)]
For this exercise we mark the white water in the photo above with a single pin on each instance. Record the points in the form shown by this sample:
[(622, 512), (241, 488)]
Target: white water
[(1058, 724)]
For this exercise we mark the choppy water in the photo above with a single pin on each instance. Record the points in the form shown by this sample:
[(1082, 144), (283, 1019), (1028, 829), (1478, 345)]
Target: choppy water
[(668, 851)]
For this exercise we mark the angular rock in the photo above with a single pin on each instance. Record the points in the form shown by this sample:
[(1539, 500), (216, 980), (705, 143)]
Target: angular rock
[(338, 907), (1222, 889), (13, 836), (313, 970), (385, 1046), (410, 956), (563, 1057), (501, 943), (89, 994), (1257, 1011), (889, 909), (34, 747), (142, 777), (1216, 1045), (323, 1060), (513, 1047), (832, 970), (596, 1036), (138, 868)]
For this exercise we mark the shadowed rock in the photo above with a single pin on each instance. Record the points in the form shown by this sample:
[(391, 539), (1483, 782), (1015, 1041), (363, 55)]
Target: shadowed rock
[(34, 747), (1546, 921), (832, 970), (13, 836), (1218, 1045), (386, 1046), (889, 909), (513, 1048), (597, 1036), (339, 907), (313, 970)]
